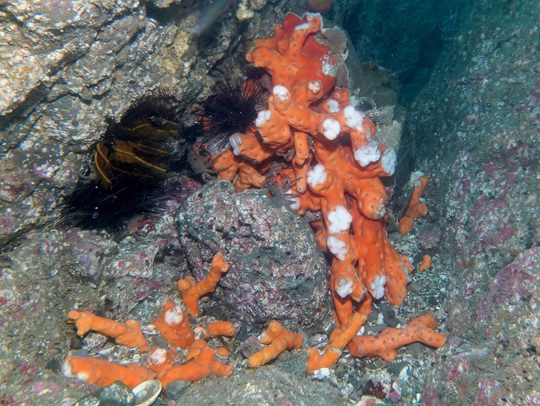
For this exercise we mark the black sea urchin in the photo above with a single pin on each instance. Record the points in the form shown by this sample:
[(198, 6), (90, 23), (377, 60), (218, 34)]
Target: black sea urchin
[(232, 108)]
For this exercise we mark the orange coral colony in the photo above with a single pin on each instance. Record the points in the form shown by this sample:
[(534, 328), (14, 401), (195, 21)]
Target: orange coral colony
[(173, 325), (335, 166), (337, 162)]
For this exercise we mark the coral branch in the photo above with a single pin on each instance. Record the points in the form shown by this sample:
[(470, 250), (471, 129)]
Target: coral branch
[(415, 208), (128, 334), (103, 373), (191, 291), (278, 339), (385, 346), (202, 365), (425, 264), (338, 341)]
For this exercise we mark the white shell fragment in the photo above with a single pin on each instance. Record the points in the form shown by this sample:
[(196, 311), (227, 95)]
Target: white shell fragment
[(147, 392)]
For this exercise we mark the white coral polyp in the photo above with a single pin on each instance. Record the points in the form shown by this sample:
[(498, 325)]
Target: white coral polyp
[(66, 368), (315, 86), (331, 128), (380, 211), (333, 106), (294, 202), (328, 67), (317, 175), (281, 92), (311, 16), (158, 356), (263, 117), (236, 141), (174, 316), (388, 161), (377, 286), (321, 374), (344, 288), (354, 117), (367, 154), (302, 27), (415, 178), (337, 247), (339, 220)]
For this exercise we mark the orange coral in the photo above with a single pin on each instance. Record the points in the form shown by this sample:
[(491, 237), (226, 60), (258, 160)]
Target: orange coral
[(222, 352), (385, 346), (278, 339), (336, 163), (201, 365), (191, 291), (425, 264), (292, 55), (221, 328), (338, 341), (128, 334), (103, 373), (174, 326), (415, 208)]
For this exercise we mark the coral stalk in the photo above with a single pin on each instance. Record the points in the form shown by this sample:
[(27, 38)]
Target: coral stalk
[(191, 291), (128, 334), (278, 339), (385, 346)]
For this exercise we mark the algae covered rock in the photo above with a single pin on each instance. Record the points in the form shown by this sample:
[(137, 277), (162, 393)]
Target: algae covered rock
[(277, 270)]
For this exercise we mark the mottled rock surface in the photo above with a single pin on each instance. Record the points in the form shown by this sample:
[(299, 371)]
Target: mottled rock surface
[(475, 128), (54, 271), (266, 386), (277, 270)]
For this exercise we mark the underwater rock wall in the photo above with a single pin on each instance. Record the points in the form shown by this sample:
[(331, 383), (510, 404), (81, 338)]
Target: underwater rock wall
[(475, 133), (68, 65)]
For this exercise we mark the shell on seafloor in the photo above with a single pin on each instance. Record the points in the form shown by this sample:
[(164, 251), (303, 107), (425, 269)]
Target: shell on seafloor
[(147, 392)]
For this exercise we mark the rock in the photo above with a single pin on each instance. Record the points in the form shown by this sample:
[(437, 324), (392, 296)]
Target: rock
[(176, 389), (277, 270), (116, 394), (265, 386)]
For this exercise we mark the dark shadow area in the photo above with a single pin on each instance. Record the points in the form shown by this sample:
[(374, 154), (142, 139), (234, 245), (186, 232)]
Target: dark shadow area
[(405, 37)]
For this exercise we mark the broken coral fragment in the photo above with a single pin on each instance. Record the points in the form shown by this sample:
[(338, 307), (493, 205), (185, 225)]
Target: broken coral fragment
[(103, 373), (338, 341), (415, 208), (201, 365), (128, 334), (277, 339), (390, 339)]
